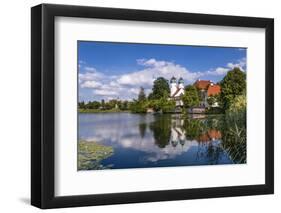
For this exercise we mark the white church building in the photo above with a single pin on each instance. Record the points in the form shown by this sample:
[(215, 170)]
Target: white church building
[(177, 90)]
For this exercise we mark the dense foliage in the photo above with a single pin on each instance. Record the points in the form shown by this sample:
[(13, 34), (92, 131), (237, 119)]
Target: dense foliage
[(142, 96), (232, 85), (190, 97), (160, 89), (212, 99), (102, 105), (158, 105), (157, 100), (239, 103), (235, 136)]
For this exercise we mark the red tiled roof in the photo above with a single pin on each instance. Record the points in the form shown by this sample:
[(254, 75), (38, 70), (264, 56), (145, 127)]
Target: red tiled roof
[(214, 90), (202, 84)]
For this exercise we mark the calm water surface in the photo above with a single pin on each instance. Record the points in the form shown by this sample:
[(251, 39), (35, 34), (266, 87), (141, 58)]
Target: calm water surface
[(147, 140)]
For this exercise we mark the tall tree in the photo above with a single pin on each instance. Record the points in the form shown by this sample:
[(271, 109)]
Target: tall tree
[(160, 89), (239, 103), (141, 96), (124, 105), (93, 105), (102, 103), (190, 97), (81, 105), (232, 85)]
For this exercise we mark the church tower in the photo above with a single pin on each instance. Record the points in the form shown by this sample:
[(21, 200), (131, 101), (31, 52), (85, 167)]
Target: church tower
[(181, 82), (173, 86)]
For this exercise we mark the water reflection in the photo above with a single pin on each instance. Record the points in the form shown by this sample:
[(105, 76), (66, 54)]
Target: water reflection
[(163, 140)]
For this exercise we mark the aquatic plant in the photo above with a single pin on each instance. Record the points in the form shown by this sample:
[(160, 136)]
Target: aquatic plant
[(90, 155), (235, 136)]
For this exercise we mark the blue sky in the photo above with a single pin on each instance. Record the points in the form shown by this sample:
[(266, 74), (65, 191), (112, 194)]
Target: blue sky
[(110, 70)]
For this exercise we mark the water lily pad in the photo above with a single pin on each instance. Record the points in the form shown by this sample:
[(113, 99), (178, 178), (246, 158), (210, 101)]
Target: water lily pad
[(90, 155)]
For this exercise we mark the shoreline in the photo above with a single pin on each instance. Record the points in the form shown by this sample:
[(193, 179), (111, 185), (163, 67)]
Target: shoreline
[(128, 111), (102, 111)]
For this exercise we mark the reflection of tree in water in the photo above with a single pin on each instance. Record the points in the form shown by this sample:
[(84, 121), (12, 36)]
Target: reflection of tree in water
[(142, 125), (206, 133), (217, 136), (214, 153), (215, 122), (142, 128), (230, 128), (193, 128), (210, 150), (161, 128)]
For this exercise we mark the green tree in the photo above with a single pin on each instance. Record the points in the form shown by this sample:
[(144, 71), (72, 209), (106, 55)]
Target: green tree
[(107, 106), (138, 106), (160, 89), (124, 105), (141, 96), (190, 97), (162, 104), (81, 105), (239, 103), (102, 104), (88, 105), (166, 105), (232, 85), (212, 99), (113, 103), (93, 105)]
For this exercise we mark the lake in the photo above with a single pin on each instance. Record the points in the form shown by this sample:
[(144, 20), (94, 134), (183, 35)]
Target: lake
[(127, 140)]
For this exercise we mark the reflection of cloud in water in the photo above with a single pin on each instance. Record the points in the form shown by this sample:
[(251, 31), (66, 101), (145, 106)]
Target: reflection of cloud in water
[(155, 140), (170, 151), (128, 135), (113, 135), (146, 145)]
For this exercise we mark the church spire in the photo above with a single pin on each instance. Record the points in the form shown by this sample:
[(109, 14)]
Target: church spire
[(173, 80), (181, 81)]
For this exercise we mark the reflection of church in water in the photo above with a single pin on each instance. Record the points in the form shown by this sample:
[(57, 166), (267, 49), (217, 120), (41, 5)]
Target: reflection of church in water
[(205, 145), (178, 133), (198, 139)]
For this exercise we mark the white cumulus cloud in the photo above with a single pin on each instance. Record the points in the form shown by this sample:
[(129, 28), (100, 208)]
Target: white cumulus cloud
[(127, 86), (154, 69), (241, 64), (90, 84)]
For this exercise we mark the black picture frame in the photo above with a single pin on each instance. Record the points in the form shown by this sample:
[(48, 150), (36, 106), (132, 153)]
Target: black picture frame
[(43, 105)]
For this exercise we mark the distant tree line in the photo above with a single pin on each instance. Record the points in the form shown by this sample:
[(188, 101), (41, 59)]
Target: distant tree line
[(102, 105)]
